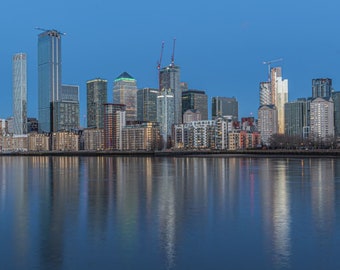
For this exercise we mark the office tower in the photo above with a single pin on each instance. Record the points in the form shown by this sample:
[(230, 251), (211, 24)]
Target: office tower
[(321, 88), (49, 76), (125, 92), (170, 80), (279, 91), (265, 93), (195, 100), (336, 100), (19, 85), (321, 118), (114, 121), (165, 113), (267, 122), (66, 109), (147, 104), (296, 117), (96, 98), (224, 106)]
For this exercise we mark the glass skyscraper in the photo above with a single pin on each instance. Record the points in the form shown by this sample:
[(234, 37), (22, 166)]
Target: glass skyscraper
[(19, 85), (224, 106), (147, 104), (125, 92), (195, 100), (96, 98), (49, 76), (322, 88), (165, 113)]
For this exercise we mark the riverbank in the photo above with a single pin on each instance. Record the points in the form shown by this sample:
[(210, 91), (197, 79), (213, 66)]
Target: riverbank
[(170, 153)]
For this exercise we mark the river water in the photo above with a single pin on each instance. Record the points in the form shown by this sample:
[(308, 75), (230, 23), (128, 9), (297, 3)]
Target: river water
[(169, 213)]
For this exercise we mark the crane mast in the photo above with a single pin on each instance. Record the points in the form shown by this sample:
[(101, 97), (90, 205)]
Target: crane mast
[(269, 65)]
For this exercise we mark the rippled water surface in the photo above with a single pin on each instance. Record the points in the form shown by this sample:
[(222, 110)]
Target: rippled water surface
[(169, 213)]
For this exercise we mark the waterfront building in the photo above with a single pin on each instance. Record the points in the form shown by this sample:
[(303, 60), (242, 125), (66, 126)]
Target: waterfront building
[(248, 124), (223, 127), (322, 118), (336, 100), (32, 124), (96, 98), (267, 122), (10, 125), (93, 138), (241, 139), (147, 104), (170, 81), (265, 93), (66, 110), (322, 87), (125, 92), (195, 100), (279, 91), (65, 141), (114, 122), (165, 113), (224, 106), (192, 115), (49, 76), (14, 143), (19, 84), (144, 136), (38, 142), (3, 127), (296, 115)]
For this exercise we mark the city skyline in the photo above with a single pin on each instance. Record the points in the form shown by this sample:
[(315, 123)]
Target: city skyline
[(224, 47)]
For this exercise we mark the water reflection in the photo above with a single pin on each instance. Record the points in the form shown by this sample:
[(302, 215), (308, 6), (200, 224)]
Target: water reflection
[(104, 212)]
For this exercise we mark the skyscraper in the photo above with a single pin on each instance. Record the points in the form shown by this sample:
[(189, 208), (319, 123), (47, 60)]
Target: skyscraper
[(195, 100), (96, 98), (125, 92), (224, 106), (147, 104), (265, 94), (279, 92), (114, 121), (49, 76), (296, 118), (165, 113), (66, 109), (170, 80), (19, 85), (267, 122), (322, 118), (322, 88)]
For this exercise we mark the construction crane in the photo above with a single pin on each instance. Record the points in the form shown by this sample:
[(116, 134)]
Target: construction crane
[(173, 53), (52, 30), (160, 57), (269, 63)]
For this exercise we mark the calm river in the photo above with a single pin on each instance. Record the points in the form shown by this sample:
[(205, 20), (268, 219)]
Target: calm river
[(169, 213)]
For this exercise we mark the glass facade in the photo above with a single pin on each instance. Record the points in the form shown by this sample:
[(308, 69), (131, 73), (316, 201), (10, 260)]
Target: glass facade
[(170, 79), (19, 93), (147, 104), (322, 88), (114, 121), (195, 100), (96, 98), (223, 106), (165, 113), (49, 76), (296, 117), (125, 92)]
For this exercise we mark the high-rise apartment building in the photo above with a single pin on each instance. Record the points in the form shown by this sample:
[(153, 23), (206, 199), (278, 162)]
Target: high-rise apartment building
[(321, 87), (170, 80), (265, 94), (224, 106), (19, 85), (279, 92), (267, 122), (66, 109), (125, 92), (165, 113), (96, 98), (322, 118), (195, 100), (49, 76), (296, 118), (147, 104), (114, 122)]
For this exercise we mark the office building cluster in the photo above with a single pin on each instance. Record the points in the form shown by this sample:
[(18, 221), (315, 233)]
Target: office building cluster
[(154, 118)]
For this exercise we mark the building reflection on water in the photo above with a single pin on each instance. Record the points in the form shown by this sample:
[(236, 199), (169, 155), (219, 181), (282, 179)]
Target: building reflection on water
[(123, 205)]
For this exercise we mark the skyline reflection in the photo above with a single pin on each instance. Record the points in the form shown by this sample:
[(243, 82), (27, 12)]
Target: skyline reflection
[(164, 210)]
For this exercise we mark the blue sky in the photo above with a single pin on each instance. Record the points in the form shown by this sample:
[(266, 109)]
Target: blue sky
[(220, 45)]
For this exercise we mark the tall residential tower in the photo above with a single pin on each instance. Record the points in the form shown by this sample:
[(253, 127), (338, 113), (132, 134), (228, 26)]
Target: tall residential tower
[(96, 98)]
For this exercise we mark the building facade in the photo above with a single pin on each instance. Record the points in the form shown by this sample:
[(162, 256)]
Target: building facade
[(114, 122), (191, 115), (65, 141), (224, 106), (49, 76), (165, 113), (93, 139), (170, 80), (265, 94), (147, 104), (322, 87), (195, 100), (125, 92), (321, 118), (296, 118), (267, 122), (19, 84)]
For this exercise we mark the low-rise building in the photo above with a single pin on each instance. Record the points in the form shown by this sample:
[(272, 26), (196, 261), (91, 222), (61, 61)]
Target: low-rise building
[(38, 142), (65, 141)]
